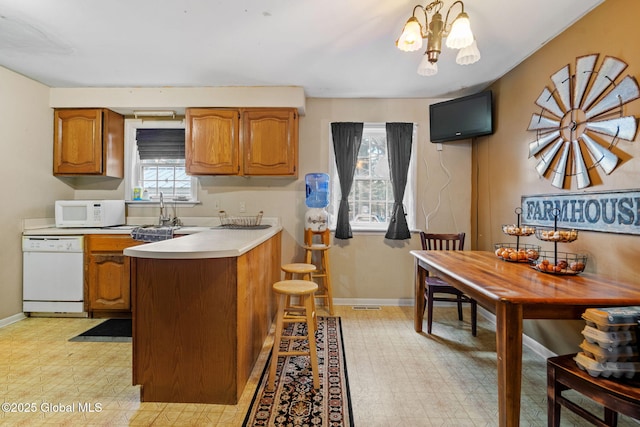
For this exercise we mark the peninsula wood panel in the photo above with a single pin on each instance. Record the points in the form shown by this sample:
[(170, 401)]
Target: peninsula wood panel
[(199, 324), (259, 268)]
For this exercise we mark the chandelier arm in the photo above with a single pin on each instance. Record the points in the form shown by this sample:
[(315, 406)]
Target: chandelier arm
[(446, 29), (424, 30)]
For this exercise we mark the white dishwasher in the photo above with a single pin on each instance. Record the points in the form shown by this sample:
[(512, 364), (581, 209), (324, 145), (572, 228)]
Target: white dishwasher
[(52, 274)]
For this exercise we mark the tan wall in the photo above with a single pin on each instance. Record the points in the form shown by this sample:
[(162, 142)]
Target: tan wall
[(505, 173), (366, 267), (29, 188)]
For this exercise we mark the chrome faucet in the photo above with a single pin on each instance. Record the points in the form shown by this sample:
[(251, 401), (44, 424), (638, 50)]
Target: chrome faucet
[(163, 220)]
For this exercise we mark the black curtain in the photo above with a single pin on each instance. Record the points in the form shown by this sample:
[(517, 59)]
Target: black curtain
[(399, 138), (347, 138)]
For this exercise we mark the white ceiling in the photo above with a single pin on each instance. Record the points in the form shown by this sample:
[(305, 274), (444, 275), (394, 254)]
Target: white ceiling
[(331, 48)]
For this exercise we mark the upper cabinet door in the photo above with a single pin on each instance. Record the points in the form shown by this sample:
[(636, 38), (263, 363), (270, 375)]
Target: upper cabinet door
[(88, 141), (212, 141), (77, 142), (270, 141)]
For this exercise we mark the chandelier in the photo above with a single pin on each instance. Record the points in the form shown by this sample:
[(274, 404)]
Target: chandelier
[(458, 34)]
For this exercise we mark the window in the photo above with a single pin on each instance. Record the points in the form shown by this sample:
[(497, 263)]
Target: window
[(155, 160), (371, 196)]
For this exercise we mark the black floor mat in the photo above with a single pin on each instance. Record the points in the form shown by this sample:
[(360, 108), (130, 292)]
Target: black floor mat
[(116, 330)]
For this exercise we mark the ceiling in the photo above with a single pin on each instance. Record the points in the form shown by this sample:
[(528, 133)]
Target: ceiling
[(331, 48)]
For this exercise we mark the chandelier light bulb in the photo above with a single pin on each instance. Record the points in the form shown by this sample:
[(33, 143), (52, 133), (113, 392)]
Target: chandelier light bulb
[(468, 55), (460, 35), (427, 68), (411, 38)]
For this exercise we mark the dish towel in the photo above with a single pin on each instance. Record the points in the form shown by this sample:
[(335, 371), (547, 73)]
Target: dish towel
[(145, 234)]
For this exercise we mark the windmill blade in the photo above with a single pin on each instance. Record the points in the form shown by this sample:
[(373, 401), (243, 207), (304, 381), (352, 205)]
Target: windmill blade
[(582, 173), (562, 80), (547, 157), (584, 69), (621, 127), (601, 156), (539, 122), (557, 179), (539, 144), (548, 102), (609, 71), (626, 91)]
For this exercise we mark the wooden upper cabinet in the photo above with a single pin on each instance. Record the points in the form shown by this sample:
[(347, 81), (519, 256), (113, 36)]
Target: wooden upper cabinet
[(245, 141), (212, 141), (88, 141), (270, 142)]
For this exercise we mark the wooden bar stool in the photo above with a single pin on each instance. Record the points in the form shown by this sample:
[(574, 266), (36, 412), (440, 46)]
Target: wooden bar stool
[(305, 290), (298, 268), (323, 272), (302, 271), (616, 395)]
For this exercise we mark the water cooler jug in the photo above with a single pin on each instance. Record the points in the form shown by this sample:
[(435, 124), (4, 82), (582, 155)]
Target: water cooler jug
[(317, 199)]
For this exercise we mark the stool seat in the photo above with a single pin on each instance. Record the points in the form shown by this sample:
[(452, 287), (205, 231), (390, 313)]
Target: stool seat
[(302, 313), (295, 287), (298, 268)]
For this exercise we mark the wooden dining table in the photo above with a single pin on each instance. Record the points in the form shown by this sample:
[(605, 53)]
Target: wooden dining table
[(513, 292)]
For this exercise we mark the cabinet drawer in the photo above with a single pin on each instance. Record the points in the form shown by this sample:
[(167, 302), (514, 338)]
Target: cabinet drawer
[(111, 243)]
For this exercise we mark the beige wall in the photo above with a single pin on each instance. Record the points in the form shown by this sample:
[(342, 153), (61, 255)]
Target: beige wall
[(505, 173), (367, 267), (29, 188)]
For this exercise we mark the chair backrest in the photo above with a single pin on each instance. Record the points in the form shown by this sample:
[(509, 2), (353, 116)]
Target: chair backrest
[(442, 242)]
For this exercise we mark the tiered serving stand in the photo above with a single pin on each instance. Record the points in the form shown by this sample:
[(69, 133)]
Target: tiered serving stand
[(555, 262), (518, 252)]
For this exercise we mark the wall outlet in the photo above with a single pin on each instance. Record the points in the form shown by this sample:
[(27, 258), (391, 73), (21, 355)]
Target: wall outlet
[(439, 147), (243, 207)]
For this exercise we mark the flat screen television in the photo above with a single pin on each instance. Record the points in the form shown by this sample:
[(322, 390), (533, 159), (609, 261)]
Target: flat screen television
[(462, 118)]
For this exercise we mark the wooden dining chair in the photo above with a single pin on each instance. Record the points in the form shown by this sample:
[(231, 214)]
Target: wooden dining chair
[(435, 286)]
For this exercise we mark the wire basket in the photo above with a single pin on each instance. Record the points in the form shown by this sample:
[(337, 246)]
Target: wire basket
[(517, 253), (240, 220), (514, 230), (557, 234), (563, 263)]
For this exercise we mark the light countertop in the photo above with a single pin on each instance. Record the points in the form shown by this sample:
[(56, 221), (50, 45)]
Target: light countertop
[(213, 243), (200, 238)]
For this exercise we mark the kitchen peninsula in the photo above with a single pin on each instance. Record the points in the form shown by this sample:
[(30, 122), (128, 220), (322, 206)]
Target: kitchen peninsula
[(202, 308)]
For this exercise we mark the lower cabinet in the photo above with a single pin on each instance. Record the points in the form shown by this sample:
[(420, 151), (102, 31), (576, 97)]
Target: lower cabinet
[(107, 275)]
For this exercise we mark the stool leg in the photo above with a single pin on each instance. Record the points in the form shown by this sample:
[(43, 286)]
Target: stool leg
[(276, 343), (327, 280), (311, 335), (553, 407)]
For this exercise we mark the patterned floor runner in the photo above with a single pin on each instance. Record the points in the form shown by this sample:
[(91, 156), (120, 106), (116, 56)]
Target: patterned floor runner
[(293, 402)]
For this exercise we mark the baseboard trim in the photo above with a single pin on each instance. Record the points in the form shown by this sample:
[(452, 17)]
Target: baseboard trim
[(403, 302), (12, 319)]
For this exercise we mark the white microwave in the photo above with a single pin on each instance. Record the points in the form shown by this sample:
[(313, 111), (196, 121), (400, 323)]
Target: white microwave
[(89, 213)]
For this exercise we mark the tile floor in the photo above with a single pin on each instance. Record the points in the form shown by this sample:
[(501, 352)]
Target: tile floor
[(397, 377)]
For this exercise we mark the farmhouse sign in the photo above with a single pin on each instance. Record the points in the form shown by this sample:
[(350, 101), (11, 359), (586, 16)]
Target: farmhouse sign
[(607, 211)]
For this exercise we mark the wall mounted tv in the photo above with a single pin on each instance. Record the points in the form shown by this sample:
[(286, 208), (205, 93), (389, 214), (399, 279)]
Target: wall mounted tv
[(462, 118)]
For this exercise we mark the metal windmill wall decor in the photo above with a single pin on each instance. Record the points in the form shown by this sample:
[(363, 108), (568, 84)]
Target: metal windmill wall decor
[(582, 119)]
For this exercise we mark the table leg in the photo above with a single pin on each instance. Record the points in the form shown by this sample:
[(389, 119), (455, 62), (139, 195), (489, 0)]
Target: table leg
[(418, 306), (509, 349)]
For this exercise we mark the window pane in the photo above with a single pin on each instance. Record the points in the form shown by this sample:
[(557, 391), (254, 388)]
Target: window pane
[(371, 195)]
